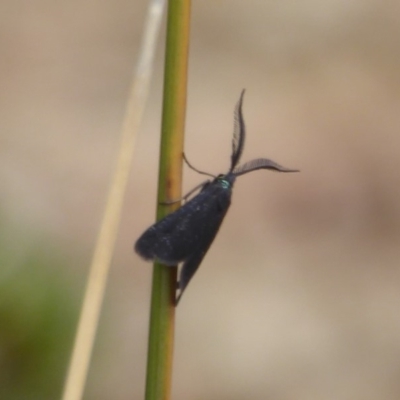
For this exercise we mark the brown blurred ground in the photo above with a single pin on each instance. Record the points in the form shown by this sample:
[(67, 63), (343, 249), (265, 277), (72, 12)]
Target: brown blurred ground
[(299, 296)]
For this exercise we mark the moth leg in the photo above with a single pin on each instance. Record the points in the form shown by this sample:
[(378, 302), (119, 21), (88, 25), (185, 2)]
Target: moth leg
[(187, 195), (195, 169), (168, 202)]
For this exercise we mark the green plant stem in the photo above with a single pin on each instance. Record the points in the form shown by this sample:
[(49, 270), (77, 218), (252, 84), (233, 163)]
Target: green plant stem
[(162, 314)]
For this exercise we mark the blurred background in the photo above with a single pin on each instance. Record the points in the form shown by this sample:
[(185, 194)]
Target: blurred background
[(299, 296)]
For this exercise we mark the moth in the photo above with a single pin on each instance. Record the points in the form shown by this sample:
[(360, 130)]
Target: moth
[(185, 235)]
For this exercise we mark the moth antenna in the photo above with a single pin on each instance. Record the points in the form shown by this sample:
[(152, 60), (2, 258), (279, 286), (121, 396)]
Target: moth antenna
[(239, 133), (195, 169), (260, 163)]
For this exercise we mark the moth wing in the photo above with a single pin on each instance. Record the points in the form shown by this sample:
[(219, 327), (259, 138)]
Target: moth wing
[(213, 214), (188, 270), (167, 240), (174, 238)]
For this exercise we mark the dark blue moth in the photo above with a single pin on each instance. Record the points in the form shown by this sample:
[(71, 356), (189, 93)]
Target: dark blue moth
[(186, 234)]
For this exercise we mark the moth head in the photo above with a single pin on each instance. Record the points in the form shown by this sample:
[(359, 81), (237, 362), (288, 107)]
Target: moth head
[(225, 180)]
